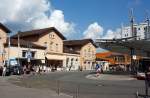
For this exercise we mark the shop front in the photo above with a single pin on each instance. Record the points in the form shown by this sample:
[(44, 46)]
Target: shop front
[(55, 61)]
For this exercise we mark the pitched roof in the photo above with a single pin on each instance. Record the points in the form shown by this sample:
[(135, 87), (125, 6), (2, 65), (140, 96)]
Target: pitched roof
[(23, 43), (3, 27), (38, 32), (78, 43)]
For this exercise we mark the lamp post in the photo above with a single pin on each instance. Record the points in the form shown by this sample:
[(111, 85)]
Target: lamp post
[(29, 55), (18, 48), (1, 53), (45, 53), (8, 51)]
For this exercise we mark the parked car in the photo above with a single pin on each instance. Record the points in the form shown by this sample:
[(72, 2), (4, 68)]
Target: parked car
[(140, 75), (14, 70), (13, 67), (1, 70)]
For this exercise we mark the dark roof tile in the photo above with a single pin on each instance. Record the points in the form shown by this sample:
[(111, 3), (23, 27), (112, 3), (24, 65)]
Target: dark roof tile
[(23, 43), (78, 43), (38, 32), (3, 27)]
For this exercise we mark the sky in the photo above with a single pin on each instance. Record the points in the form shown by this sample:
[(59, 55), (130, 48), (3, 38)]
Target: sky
[(75, 19)]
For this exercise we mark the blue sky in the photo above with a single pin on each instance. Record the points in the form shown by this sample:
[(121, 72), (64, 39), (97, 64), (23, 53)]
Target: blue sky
[(73, 18), (110, 14)]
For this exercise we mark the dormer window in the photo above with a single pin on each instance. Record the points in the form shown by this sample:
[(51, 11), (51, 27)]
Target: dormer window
[(51, 36)]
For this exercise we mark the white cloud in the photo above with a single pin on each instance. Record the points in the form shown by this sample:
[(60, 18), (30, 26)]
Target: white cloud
[(110, 34), (33, 14), (118, 33), (93, 31), (57, 20), (22, 10), (96, 31)]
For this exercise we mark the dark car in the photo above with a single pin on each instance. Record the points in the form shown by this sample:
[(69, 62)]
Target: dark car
[(140, 75), (14, 70)]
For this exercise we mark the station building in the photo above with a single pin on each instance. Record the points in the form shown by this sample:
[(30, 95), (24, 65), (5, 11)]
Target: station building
[(109, 60), (86, 50), (52, 40), (4, 31), (49, 47)]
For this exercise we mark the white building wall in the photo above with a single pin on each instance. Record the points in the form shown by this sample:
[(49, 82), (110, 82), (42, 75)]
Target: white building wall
[(72, 61), (104, 65), (15, 52), (140, 29)]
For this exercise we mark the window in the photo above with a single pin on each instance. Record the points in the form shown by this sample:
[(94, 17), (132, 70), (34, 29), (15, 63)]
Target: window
[(33, 54), (45, 44), (51, 36), (56, 47), (93, 54), (138, 28), (23, 53), (85, 52), (71, 61), (89, 49), (51, 46)]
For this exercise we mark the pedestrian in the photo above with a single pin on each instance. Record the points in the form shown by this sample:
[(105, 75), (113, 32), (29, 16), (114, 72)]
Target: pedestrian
[(4, 71), (24, 69), (39, 69), (97, 69)]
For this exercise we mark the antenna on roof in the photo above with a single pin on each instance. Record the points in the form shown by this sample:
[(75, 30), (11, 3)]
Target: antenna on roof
[(122, 27), (147, 36), (132, 23)]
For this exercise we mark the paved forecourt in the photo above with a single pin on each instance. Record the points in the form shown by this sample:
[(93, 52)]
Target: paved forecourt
[(8, 90)]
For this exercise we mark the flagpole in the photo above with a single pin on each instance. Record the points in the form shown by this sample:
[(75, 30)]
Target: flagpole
[(8, 50), (18, 46)]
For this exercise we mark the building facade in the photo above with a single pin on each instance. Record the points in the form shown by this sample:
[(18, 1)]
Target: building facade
[(25, 52), (52, 39), (47, 47), (85, 48), (4, 31), (140, 31), (115, 60)]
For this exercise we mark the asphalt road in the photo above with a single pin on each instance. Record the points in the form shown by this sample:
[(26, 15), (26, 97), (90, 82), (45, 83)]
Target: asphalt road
[(75, 84)]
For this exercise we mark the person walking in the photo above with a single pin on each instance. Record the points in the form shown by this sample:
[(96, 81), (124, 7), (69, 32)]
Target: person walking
[(97, 69), (4, 71)]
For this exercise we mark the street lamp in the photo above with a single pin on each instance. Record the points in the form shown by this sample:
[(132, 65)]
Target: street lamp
[(8, 50), (45, 53)]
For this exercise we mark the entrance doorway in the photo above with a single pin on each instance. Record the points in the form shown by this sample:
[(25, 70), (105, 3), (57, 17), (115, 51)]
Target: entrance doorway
[(54, 64)]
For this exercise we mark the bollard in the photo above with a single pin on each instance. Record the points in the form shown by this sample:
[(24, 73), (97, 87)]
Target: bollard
[(58, 87), (137, 94), (77, 91)]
